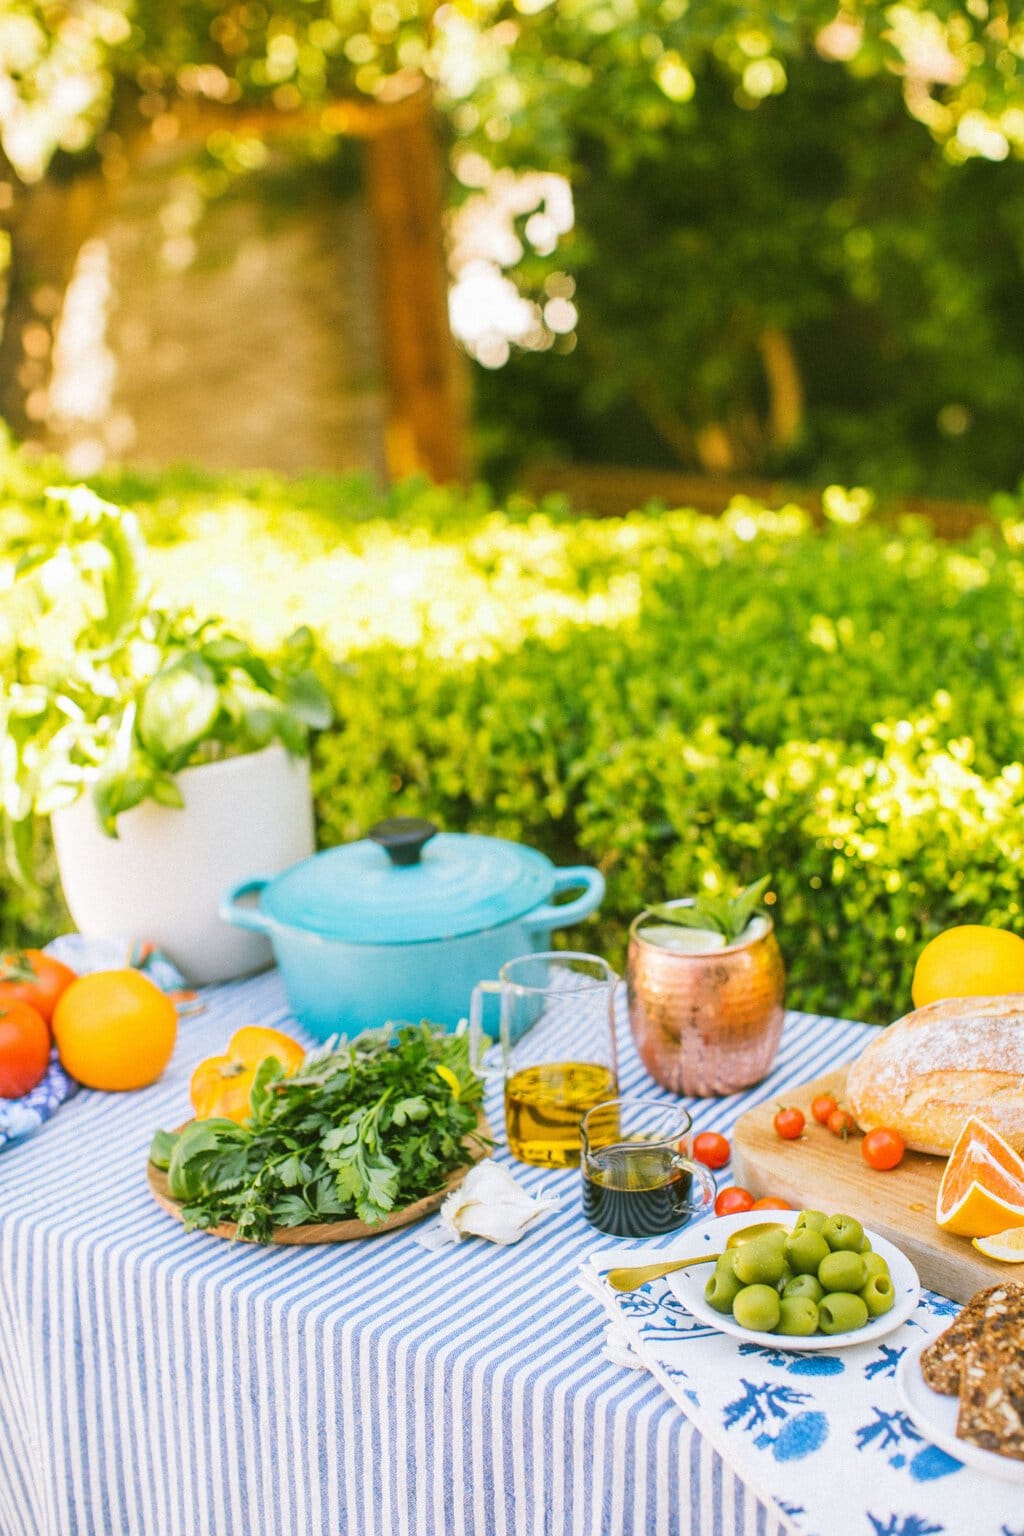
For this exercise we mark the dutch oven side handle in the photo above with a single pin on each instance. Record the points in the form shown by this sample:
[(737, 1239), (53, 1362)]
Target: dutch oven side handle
[(250, 916), (550, 916)]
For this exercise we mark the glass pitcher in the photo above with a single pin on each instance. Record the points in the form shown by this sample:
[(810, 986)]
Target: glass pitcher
[(555, 1052)]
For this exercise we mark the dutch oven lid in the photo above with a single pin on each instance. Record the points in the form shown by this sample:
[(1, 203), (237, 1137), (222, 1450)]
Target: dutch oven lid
[(406, 883)]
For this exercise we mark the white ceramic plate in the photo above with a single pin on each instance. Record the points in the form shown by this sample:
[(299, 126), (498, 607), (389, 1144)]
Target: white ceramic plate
[(688, 1287), (935, 1415)]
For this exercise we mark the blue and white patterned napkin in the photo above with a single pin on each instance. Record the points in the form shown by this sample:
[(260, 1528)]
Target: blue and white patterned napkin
[(21, 1117), (821, 1438)]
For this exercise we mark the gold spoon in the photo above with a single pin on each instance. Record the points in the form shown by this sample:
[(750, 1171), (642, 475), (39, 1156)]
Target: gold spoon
[(633, 1279)]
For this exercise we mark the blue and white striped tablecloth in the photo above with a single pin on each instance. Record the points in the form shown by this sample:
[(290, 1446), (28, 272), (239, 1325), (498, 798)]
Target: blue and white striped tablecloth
[(154, 1383)]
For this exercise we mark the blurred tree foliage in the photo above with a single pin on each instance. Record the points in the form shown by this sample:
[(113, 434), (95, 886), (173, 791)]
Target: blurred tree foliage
[(798, 226)]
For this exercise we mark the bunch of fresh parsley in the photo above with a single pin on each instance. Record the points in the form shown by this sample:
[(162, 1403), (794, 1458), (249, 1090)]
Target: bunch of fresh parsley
[(365, 1127)]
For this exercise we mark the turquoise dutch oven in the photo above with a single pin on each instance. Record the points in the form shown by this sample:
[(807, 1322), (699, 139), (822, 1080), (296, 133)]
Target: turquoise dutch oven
[(402, 924)]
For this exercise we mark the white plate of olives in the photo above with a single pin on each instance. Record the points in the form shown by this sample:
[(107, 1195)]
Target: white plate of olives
[(804, 1280)]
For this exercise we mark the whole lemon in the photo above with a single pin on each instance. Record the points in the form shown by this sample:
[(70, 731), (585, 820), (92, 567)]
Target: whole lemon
[(969, 961), (115, 1030)]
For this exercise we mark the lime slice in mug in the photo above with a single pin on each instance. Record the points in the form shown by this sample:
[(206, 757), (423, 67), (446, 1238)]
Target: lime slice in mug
[(685, 941)]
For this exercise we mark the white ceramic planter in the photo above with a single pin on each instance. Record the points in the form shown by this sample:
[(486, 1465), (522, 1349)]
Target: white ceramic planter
[(162, 877)]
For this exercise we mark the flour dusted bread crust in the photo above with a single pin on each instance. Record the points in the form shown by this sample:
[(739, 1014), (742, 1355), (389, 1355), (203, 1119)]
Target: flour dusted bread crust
[(928, 1072)]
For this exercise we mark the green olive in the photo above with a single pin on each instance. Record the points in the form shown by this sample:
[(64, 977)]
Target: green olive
[(723, 1287), (878, 1295), (797, 1315), (759, 1263), (843, 1234), (813, 1219), (805, 1250), (841, 1312), (758, 1308), (865, 1244), (874, 1264), (842, 1271), (804, 1285)]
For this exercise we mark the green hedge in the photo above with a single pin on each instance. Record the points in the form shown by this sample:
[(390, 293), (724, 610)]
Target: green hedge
[(675, 698)]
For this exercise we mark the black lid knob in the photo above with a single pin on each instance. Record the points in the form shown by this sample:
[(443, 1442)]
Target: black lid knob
[(403, 838)]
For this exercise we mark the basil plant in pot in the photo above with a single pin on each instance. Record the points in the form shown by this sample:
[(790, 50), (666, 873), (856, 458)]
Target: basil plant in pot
[(170, 757)]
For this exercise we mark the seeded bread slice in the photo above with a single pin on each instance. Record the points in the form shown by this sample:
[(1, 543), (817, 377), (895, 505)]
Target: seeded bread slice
[(999, 1308), (992, 1391)]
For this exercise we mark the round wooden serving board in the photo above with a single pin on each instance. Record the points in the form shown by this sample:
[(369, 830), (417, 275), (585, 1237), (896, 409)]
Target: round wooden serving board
[(333, 1231)]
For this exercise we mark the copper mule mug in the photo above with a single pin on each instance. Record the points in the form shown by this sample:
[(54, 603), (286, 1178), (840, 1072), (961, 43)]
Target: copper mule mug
[(706, 1023)]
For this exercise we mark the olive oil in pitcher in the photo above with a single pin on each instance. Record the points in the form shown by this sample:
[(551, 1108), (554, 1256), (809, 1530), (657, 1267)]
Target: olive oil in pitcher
[(544, 1105)]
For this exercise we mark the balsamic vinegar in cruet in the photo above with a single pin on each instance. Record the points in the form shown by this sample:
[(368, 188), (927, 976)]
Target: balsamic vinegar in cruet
[(631, 1193)]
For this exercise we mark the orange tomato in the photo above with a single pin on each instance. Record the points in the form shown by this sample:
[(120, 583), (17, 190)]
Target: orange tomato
[(882, 1148), (24, 1048), (823, 1106), (29, 976), (840, 1122), (729, 1202), (221, 1085), (115, 1030), (711, 1149)]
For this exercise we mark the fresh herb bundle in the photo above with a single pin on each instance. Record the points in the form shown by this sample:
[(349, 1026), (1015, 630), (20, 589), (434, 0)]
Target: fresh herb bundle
[(367, 1126)]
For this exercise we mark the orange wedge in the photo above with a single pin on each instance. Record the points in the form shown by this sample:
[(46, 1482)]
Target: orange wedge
[(982, 1189)]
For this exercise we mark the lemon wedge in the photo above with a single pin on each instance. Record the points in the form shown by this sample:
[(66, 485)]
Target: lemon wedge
[(1006, 1246)]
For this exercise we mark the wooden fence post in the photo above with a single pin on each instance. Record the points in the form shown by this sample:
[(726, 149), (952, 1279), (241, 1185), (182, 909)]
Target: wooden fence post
[(426, 373)]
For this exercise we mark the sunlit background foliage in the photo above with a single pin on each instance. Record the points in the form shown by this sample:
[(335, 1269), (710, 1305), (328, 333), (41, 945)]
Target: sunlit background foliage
[(679, 699), (749, 239), (771, 238)]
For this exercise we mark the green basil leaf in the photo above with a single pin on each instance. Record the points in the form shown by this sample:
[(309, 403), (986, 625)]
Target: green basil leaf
[(161, 1147), (178, 708), (308, 699)]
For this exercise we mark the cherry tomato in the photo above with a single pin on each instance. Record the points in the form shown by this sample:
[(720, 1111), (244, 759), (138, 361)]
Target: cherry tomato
[(24, 1048), (883, 1148), (711, 1149), (29, 976), (822, 1107), (771, 1203), (732, 1200), (841, 1123), (789, 1123)]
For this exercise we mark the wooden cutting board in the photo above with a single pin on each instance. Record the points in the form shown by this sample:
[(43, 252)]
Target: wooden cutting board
[(823, 1172)]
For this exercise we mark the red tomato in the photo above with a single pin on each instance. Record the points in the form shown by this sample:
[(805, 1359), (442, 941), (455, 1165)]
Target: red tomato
[(822, 1107), (29, 976), (732, 1200), (24, 1048), (841, 1123), (771, 1203), (711, 1149), (883, 1148), (789, 1124)]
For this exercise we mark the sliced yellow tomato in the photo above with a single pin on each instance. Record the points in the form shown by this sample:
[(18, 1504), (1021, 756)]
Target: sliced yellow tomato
[(221, 1085)]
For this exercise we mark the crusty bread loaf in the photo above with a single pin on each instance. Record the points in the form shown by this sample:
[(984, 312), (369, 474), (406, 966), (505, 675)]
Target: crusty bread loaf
[(925, 1074)]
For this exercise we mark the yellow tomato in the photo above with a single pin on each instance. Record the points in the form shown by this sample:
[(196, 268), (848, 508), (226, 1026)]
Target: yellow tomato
[(221, 1085)]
